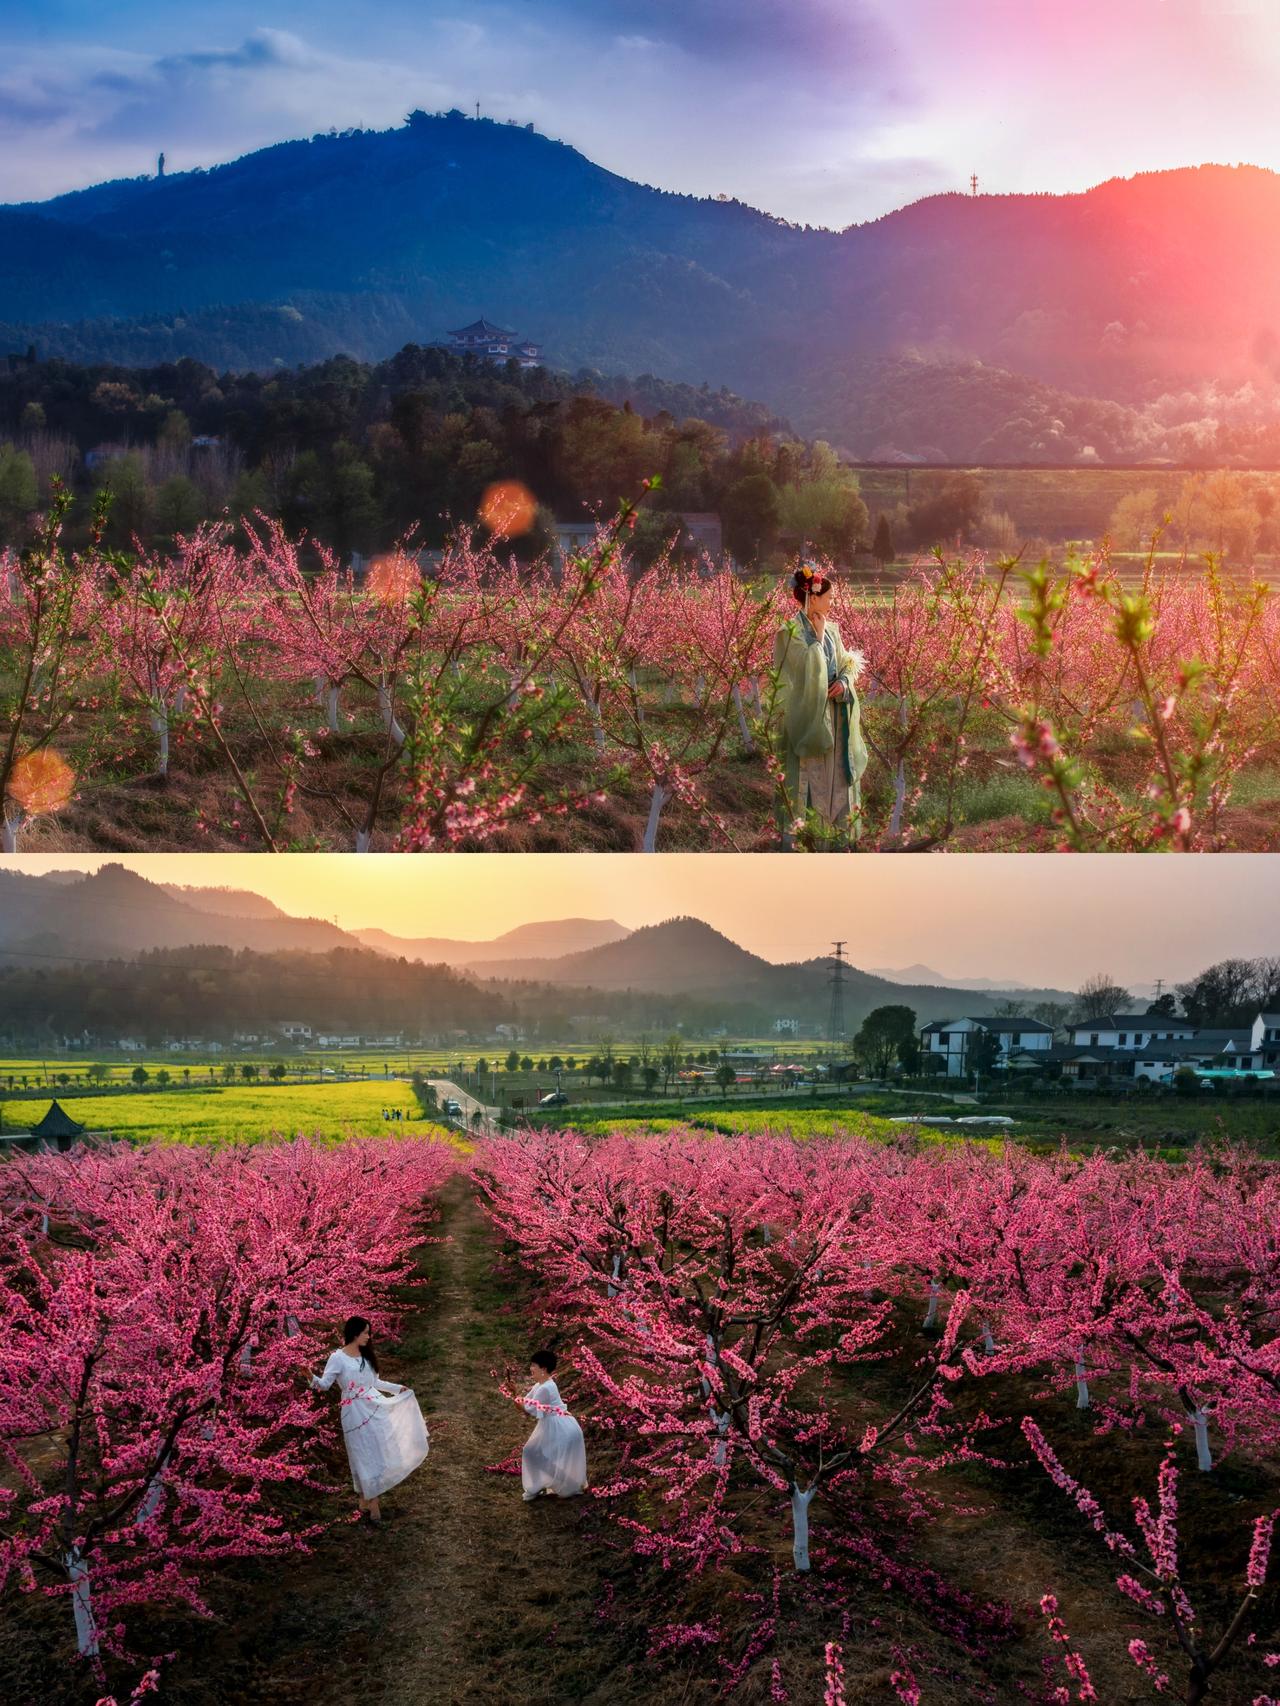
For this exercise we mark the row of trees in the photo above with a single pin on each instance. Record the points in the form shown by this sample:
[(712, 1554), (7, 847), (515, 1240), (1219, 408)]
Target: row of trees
[(161, 1305), (836, 1323), (356, 455), (487, 697)]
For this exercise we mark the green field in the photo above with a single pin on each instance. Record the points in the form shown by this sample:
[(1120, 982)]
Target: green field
[(243, 1112), (1055, 504)]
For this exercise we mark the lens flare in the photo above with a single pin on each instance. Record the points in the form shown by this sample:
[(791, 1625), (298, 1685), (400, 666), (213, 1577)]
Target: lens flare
[(42, 782), (508, 509), (393, 579)]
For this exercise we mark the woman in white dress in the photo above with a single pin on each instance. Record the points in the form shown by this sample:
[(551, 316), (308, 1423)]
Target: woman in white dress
[(382, 1423), (554, 1459)]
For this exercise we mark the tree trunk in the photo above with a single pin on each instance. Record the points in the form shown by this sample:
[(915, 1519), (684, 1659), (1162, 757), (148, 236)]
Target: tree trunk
[(1200, 1423), (10, 829), (387, 712), (658, 799), (800, 1503), (743, 726), (931, 1313), (160, 724), (151, 1498), (82, 1604), (363, 838), (899, 797), (1082, 1385)]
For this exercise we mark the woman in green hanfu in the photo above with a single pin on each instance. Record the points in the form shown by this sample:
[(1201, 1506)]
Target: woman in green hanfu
[(822, 749)]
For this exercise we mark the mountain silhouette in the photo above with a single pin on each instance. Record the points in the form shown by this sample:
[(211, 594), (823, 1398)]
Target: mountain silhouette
[(360, 242), (550, 939), (116, 914)]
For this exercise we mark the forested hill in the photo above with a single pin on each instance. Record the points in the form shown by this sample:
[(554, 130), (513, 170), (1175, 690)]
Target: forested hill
[(364, 241)]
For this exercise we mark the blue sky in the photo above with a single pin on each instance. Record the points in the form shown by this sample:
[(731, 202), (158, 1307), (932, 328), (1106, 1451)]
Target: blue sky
[(822, 110)]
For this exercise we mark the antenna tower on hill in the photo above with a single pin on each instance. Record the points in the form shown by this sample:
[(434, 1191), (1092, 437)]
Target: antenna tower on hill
[(973, 183)]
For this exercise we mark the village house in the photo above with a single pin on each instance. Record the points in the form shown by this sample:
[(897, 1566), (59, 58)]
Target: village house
[(1130, 1030), (950, 1042), (292, 1030)]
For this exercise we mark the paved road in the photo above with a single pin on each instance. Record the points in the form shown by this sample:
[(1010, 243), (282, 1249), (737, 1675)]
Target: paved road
[(447, 1090)]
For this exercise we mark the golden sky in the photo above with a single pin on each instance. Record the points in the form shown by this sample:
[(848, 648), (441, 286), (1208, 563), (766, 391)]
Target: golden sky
[(1037, 918)]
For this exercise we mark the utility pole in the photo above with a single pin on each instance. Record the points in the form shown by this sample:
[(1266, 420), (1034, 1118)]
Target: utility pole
[(973, 183)]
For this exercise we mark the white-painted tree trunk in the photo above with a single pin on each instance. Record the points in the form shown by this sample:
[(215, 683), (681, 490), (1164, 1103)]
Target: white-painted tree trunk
[(899, 798), (291, 1327), (180, 699), (1082, 1385), (800, 1503), (82, 1604), (721, 1419), (988, 1343), (657, 800), (1200, 1423), (387, 712), (246, 1357), (931, 1313), (597, 723), (743, 726), (10, 829), (160, 727), (635, 688), (150, 1503), (755, 696), (617, 1264)]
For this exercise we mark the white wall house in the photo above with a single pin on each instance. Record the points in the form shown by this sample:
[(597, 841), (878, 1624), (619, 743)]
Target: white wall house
[(951, 1040), (1129, 1030), (293, 1031)]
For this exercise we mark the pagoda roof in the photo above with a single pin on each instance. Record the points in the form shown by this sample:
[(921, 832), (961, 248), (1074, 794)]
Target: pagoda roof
[(482, 328), (57, 1123)]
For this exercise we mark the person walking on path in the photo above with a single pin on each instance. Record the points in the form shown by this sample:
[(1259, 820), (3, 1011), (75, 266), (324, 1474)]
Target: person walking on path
[(382, 1425)]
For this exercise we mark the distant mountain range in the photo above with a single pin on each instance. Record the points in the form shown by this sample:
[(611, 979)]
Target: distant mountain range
[(362, 242), (550, 941), (115, 913), (926, 975)]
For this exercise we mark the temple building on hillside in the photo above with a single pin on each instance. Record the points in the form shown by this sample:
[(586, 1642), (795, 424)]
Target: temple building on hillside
[(494, 343)]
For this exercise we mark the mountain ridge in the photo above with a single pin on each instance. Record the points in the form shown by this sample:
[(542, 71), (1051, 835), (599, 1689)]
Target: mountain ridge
[(116, 913), (388, 236)]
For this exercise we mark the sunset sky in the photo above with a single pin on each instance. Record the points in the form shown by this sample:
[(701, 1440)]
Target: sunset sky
[(827, 111), (1035, 918)]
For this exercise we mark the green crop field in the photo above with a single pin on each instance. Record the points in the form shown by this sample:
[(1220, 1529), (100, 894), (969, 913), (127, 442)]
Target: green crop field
[(244, 1113)]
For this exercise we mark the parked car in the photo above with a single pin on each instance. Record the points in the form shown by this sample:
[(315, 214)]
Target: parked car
[(554, 1099), (453, 1108)]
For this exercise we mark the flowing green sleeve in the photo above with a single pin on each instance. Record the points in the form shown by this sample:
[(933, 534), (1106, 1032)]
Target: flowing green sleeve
[(846, 667)]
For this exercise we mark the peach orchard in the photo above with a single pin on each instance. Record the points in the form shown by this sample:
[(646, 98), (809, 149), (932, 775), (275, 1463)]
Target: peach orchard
[(479, 698)]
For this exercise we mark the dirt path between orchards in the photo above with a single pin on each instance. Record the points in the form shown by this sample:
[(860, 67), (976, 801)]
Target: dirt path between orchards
[(466, 1594)]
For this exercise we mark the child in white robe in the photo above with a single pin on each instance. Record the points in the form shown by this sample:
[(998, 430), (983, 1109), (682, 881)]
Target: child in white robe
[(554, 1459)]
